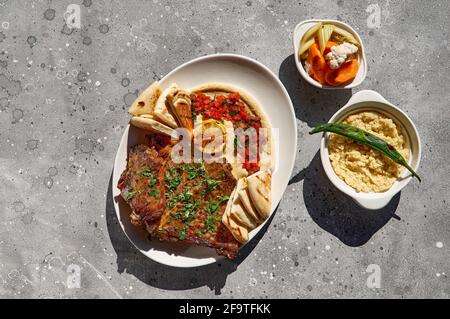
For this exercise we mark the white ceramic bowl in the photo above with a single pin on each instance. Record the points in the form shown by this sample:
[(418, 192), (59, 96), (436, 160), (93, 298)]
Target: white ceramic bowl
[(259, 81), (370, 100), (302, 28)]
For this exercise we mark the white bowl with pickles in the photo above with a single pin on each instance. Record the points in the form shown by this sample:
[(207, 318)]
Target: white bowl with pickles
[(370, 149), (329, 54)]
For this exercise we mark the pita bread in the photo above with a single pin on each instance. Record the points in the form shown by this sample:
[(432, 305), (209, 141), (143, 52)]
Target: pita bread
[(230, 201), (239, 214), (161, 111), (147, 122), (239, 232), (259, 189), (248, 205), (145, 103), (179, 103)]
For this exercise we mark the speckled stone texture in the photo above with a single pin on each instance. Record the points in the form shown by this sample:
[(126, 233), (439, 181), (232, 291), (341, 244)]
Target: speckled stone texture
[(63, 99)]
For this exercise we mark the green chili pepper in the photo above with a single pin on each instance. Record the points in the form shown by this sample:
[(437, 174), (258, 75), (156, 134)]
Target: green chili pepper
[(365, 138)]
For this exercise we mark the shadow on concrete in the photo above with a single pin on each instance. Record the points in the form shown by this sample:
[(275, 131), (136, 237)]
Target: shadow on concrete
[(312, 105), (131, 261), (337, 213), (332, 210)]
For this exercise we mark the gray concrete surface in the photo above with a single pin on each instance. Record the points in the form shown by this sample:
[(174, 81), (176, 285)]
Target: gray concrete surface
[(63, 95)]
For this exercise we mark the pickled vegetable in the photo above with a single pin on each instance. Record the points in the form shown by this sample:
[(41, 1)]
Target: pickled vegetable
[(305, 47), (311, 33), (347, 35), (324, 34)]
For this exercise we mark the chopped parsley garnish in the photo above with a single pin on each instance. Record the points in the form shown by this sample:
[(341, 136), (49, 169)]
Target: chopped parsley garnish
[(199, 234), (213, 207), (223, 198), (182, 234), (187, 212), (147, 172), (211, 183), (154, 193), (180, 197), (191, 171), (194, 171), (185, 196), (172, 179), (210, 224), (192, 174), (131, 193), (202, 169), (152, 178)]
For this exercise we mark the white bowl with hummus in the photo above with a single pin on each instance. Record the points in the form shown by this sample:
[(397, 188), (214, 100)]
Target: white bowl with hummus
[(369, 177)]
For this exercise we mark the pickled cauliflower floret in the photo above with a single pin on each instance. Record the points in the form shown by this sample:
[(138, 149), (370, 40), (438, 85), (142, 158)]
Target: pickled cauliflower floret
[(338, 54), (308, 68)]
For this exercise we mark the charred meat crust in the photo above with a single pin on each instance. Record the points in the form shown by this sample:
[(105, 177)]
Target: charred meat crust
[(179, 202), (141, 185)]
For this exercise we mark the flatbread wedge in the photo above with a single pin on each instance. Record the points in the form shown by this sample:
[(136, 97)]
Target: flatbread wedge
[(161, 111), (247, 203), (239, 232), (239, 214), (259, 188), (179, 102), (147, 122), (145, 103)]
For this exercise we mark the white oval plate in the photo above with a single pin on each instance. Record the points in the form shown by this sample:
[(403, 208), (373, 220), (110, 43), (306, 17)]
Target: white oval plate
[(260, 82)]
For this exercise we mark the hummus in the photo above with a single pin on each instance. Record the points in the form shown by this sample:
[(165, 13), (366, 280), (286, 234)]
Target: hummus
[(361, 167)]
